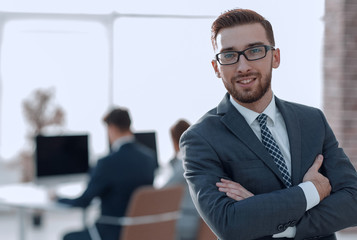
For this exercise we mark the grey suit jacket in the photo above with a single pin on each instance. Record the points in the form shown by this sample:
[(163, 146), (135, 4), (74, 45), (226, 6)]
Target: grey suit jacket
[(222, 145)]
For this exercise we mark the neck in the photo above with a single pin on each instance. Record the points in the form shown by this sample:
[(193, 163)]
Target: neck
[(126, 133), (260, 105), (120, 134)]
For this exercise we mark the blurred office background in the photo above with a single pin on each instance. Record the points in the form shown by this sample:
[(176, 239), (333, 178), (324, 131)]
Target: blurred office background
[(146, 56), (153, 57)]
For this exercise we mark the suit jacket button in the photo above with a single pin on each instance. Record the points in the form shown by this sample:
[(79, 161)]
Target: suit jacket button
[(281, 227), (292, 223)]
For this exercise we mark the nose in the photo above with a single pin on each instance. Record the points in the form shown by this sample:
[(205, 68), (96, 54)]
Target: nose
[(243, 65)]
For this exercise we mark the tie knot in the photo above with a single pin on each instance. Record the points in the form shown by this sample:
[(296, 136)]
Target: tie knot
[(262, 119)]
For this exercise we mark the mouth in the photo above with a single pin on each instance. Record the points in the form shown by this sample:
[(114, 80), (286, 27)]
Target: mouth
[(246, 81)]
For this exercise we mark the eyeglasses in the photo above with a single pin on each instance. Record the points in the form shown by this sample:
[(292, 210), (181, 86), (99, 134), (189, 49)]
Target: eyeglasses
[(251, 54)]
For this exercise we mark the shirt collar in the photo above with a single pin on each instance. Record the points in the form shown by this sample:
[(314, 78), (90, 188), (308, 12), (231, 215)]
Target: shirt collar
[(250, 115), (121, 141)]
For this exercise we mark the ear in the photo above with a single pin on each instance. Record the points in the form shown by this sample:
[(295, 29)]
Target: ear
[(276, 58), (215, 67)]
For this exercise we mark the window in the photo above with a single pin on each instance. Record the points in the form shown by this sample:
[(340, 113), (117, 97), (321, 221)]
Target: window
[(71, 58)]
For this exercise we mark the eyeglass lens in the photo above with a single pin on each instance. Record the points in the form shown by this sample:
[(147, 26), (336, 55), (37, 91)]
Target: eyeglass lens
[(251, 54)]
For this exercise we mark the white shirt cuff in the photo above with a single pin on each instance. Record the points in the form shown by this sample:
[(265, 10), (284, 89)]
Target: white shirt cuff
[(311, 194), (312, 199), (290, 232)]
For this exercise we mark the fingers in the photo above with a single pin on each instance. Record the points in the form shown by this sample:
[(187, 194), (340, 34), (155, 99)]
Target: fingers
[(234, 196), (314, 169), (230, 183), (52, 195), (233, 190), (321, 183), (318, 163)]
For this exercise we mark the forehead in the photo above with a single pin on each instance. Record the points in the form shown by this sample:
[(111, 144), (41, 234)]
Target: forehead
[(241, 37)]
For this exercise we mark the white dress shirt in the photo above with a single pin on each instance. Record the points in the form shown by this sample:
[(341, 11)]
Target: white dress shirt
[(277, 127)]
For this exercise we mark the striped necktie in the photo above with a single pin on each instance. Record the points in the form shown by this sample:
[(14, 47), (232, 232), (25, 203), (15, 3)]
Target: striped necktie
[(273, 149)]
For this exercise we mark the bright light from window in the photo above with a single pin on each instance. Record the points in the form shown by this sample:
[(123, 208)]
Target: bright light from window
[(69, 57)]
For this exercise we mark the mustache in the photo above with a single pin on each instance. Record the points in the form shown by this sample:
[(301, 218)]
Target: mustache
[(246, 75)]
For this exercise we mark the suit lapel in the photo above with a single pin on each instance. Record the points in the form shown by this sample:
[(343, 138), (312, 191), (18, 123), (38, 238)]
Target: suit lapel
[(294, 134), (236, 123)]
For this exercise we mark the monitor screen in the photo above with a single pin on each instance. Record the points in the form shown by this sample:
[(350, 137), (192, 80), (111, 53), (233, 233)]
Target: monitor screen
[(148, 139), (61, 155)]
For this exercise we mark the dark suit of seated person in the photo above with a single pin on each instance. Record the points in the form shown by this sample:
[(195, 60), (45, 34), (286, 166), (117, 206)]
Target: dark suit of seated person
[(115, 177)]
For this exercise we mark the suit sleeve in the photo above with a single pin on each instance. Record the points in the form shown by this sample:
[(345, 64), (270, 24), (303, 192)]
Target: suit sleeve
[(339, 210), (252, 218), (97, 185)]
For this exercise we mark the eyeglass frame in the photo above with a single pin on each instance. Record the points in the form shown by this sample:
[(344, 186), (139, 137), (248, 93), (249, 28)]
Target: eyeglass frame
[(266, 47)]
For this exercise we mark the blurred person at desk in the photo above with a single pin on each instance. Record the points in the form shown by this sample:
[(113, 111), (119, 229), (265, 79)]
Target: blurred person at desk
[(115, 177), (187, 225)]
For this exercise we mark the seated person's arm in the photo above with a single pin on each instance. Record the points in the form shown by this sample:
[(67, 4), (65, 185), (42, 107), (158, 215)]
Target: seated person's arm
[(97, 184)]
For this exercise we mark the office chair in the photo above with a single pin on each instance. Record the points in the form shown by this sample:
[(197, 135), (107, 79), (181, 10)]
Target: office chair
[(152, 214), (204, 232)]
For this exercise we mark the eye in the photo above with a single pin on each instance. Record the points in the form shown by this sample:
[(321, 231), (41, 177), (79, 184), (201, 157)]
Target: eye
[(228, 55), (256, 50)]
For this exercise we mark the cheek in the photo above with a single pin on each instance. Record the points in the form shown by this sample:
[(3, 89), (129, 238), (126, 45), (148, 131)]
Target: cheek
[(227, 83), (225, 79), (226, 74), (264, 68)]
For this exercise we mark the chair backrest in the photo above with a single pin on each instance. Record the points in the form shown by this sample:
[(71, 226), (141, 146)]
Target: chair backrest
[(205, 233), (148, 203)]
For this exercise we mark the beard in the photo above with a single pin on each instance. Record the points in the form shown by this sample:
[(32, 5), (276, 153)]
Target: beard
[(249, 95)]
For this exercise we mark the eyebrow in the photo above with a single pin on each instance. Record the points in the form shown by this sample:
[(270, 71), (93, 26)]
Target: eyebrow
[(255, 44), (248, 46)]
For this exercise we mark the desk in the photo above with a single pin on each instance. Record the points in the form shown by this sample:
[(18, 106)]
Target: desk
[(25, 197)]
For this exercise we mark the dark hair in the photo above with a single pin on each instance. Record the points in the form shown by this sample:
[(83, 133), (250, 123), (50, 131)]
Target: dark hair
[(118, 117), (178, 128), (237, 17)]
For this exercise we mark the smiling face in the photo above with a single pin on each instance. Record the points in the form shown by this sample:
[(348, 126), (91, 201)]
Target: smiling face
[(248, 82)]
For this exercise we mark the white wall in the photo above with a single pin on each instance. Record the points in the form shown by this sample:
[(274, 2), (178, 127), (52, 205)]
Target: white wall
[(162, 67)]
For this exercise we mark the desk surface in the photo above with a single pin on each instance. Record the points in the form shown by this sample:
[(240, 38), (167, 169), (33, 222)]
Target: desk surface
[(30, 195)]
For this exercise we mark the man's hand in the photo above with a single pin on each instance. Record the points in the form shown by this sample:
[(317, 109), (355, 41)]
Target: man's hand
[(321, 183), (233, 190), (52, 195)]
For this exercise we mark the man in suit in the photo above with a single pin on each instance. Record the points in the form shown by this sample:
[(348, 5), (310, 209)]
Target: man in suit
[(259, 167), (115, 177)]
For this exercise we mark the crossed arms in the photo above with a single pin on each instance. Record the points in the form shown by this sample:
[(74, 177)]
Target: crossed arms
[(322, 185), (237, 212)]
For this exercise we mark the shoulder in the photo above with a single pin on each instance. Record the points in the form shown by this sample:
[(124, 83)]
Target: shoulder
[(302, 114), (209, 129), (138, 151), (104, 161), (300, 109), (144, 149), (130, 151), (205, 123)]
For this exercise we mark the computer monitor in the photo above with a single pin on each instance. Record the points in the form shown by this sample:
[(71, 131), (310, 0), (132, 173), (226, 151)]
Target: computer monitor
[(61, 155), (148, 139)]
